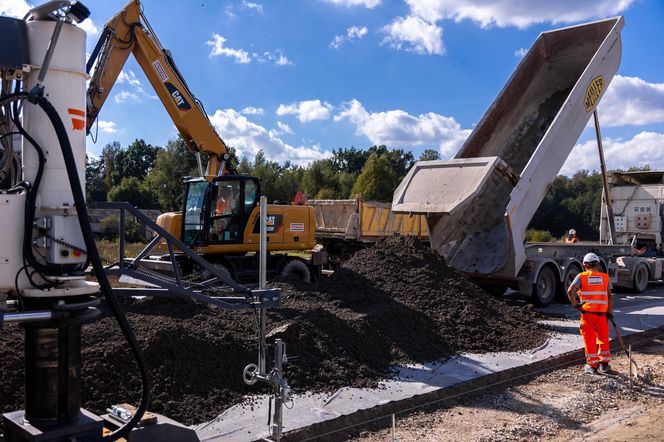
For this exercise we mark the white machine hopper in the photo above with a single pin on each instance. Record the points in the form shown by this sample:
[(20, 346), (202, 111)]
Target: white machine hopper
[(479, 204)]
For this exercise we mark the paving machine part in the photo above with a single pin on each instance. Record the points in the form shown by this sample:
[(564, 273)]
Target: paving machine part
[(49, 238), (479, 204), (43, 99), (220, 211)]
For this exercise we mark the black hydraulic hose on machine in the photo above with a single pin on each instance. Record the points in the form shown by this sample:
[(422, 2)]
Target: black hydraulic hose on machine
[(93, 254)]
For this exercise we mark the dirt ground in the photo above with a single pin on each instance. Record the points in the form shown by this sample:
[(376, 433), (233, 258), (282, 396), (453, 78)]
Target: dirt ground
[(559, 406), (348, 329)]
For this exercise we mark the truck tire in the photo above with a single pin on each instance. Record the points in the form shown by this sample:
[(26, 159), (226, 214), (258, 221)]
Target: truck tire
[(570, 273), (296, 268), (640, 280), (544, 290)]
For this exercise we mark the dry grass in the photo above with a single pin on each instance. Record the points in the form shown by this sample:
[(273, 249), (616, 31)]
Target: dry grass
[(110, 250)]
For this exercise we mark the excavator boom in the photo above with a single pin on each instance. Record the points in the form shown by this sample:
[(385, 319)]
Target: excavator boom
[(130, 32)]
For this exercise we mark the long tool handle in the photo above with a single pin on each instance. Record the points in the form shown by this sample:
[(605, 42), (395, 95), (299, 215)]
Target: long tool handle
[(622, 344)]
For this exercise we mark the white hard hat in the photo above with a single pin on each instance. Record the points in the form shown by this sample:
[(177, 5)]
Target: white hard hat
[(590, 258), (572, 232)]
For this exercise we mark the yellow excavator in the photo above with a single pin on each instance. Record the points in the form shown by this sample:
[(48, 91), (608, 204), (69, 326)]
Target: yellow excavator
[(220, 217)]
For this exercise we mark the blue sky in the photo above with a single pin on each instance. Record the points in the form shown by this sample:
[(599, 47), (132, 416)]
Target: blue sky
[(298, 78)]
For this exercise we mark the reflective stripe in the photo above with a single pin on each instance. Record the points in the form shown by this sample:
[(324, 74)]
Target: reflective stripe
[(593, 293), (605, 352), (591, 355), (595, 301)]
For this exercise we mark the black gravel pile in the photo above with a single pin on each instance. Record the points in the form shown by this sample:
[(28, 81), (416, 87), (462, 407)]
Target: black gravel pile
[(393, 303)]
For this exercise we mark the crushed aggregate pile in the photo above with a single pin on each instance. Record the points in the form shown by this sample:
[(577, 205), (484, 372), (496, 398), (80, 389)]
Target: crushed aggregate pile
[(396, 302)]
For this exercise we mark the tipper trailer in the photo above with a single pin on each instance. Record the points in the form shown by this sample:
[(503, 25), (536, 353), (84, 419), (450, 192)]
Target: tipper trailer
[(479, 204), (345, 226)]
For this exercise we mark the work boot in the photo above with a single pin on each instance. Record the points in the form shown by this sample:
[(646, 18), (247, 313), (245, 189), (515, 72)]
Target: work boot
[(604, 367), (589, 369)]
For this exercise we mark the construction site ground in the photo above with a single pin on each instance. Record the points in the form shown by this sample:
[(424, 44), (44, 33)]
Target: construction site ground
[(329, 414), (558, 406)]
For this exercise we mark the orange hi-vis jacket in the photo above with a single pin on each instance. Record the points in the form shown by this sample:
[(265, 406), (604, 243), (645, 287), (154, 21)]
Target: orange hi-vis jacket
[(594, 293)]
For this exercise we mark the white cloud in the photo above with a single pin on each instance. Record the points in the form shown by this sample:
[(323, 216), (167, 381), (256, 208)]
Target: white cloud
[(128, 77), (217, 44), (124, 96), (258, 7), (282, 60), (414, 34), (632, 101), (243, 57), (398, 128), (521, 52), (248, 138), (352, 33), (108, 127), (14, 8), (517, 13), (136, 95), (251, 110), (370, 4), (309, 110), (18, 8), (89, 27), (645, 148), (285, 128)]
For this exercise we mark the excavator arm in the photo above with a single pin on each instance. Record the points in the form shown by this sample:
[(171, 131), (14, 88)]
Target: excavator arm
[(127, 32)]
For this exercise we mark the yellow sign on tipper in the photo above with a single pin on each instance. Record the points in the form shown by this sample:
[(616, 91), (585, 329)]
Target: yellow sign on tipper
[(593, 91)]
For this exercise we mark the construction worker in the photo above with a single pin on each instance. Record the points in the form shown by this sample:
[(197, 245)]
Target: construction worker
[(590, 292), (571, 237)]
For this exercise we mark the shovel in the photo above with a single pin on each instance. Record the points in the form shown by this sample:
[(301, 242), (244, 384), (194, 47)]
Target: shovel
[(633, 368)]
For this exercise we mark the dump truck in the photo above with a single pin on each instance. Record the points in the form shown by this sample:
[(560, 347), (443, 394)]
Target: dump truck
[(345, 226), (478, 205)]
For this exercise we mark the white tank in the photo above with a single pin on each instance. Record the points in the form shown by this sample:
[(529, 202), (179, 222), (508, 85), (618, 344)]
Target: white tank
[(65, 89)]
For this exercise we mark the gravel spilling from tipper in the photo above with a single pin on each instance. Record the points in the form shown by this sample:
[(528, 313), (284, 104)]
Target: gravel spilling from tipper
[(396, 302)]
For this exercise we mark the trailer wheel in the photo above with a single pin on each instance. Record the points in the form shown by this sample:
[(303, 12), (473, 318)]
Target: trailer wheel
[(640, 281), (296, 268), (545, 287), (570, 273)]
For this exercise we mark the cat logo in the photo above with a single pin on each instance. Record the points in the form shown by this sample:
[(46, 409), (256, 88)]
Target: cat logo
[(593, 91), (182, 104)]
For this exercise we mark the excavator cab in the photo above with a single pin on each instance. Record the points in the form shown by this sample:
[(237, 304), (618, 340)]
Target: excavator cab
[(217, 212)]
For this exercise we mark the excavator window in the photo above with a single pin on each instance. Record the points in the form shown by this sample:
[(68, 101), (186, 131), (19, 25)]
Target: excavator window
[(226, 212), (193, 211)]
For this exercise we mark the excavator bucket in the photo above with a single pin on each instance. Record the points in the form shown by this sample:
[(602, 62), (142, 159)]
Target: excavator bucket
[(479, 204)]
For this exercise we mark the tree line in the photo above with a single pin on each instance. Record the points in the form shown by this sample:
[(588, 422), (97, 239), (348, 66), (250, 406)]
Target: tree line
[(150, 177)]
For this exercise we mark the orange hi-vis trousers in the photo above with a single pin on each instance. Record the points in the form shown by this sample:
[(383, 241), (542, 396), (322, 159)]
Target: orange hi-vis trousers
[(595, 332)]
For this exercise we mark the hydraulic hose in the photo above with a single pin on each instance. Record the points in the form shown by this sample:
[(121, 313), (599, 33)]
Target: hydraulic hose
[(93, 254)]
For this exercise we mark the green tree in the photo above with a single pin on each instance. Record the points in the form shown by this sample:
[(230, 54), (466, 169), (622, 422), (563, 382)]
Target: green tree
[(109, 158), (95, 187), (377, 180), (429, 154), (571, 203), (132, 190), (349, 160), (400, 160), (136, 160), (319, 174), (172, 164)]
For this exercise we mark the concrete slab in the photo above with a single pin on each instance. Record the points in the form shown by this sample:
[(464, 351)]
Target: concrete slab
[(634, 313)]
